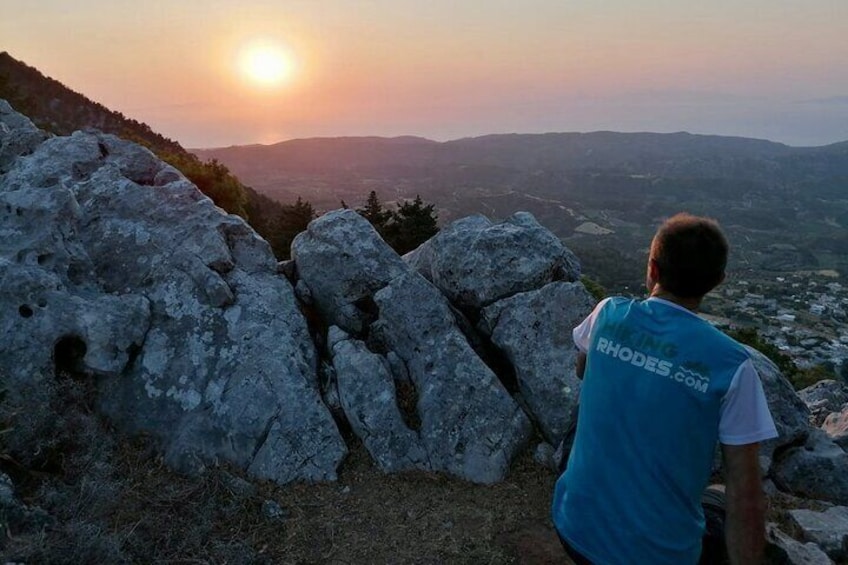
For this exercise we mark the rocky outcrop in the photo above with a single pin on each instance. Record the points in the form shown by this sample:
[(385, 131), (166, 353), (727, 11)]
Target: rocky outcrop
[(791, 416), (781, 549), (466, 421), (369, 397), (828, 529), (470, 425), (475, 262), (343, 262), (824, 398), (18, 136), (533, 330), (818, 469), (117, 270)]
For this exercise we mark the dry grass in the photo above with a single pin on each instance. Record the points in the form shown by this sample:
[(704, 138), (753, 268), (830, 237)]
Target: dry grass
[(115, 502)]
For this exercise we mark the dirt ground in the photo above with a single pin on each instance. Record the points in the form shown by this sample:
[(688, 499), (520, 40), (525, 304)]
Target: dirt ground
[(116, 502), (133, 509), (368, 517)]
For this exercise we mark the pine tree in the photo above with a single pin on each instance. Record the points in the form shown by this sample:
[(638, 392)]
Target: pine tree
[(411, 224), (292, 219), (374, 213)]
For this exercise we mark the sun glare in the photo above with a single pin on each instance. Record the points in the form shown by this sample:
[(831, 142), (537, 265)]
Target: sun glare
[(266, 64)]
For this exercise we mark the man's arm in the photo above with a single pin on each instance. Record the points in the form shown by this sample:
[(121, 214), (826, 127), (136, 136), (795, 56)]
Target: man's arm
[(580, 366), (745, 523)]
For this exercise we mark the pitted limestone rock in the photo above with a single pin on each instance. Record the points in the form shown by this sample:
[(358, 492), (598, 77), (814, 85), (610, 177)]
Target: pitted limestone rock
[(343, 262), (533, 329), (791, 416), (195, 338), (470, 425), (18, 136), (369, 398), (475, 262), (818, 469)]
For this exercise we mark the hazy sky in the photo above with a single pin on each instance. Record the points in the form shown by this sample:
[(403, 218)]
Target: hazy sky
[(775, 69)]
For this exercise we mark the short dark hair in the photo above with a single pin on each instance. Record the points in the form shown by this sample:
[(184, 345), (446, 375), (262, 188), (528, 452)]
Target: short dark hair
[(691, 254)]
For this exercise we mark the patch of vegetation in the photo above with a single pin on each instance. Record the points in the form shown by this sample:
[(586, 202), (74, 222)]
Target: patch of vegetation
[(800, 377), (597, 291), (406, 227)]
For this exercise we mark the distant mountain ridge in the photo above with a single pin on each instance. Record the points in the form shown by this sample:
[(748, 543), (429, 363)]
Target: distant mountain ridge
[(602, 192), (625, 152)]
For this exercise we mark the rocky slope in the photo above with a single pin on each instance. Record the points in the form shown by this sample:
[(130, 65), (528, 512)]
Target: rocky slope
[(119, 274)]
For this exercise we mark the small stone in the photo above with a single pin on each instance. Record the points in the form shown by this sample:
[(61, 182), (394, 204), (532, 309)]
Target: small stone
[(7, 489), (288, 269), (272, 510), (544, 456), (237, 485), (303, 293)]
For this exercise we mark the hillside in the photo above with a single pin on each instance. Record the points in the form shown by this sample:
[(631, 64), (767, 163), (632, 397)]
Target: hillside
[(59, 110), (56, 108), (602, 192)]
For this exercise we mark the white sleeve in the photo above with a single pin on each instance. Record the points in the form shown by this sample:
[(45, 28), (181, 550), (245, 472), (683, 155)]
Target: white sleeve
[(583, 332), (745, 416)]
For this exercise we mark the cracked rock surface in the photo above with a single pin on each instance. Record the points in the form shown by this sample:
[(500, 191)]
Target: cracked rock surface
[(475, 262), (533, 329), (175, 309), (469, 425)]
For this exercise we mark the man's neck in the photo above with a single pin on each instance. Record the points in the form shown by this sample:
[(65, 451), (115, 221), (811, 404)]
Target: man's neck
[(689, 303)]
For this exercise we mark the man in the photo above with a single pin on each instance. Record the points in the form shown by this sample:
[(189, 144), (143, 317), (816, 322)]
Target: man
[(660, 387)]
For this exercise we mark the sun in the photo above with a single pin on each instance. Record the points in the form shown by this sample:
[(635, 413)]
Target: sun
[(266, 64)]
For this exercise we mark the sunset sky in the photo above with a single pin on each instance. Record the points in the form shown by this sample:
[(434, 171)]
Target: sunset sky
[(775, 69)]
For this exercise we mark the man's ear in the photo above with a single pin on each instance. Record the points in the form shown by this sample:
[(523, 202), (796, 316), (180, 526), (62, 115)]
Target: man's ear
[(653, 270), (723, 277)]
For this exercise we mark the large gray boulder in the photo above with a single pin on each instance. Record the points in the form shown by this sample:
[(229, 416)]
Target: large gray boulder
[(116, 268), (475, 262), (343, 262), (469, 424), (533, 330), (781, 549), (824, 398), (818, 469), (791, 416), (369, 398), (828, 529)]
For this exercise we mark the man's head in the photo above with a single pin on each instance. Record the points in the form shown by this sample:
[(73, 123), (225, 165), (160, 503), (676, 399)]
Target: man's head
[(688, 256)]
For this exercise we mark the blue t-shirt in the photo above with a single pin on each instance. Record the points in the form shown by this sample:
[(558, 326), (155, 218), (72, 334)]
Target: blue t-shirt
[(660, 388)]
